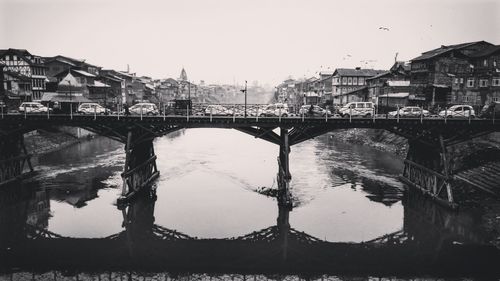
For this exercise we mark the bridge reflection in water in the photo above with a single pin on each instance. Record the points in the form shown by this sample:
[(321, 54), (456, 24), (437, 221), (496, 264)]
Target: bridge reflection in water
[(433, 241)]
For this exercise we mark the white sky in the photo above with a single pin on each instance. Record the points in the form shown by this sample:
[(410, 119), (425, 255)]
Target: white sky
[(231, 40)]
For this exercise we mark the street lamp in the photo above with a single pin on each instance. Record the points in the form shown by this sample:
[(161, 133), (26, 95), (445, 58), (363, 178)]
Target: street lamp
[(245, 91)]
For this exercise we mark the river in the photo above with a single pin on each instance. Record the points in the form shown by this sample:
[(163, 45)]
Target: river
[(209, 189)]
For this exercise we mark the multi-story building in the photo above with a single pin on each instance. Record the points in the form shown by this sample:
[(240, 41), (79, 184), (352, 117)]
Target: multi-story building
[(481, 83), (23, 62), (346, 80), (390, 88), (324, 84), (433, 72)]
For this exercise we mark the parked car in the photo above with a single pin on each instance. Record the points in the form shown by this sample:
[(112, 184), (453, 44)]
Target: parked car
[(313, 110), (33, 107), (144, 108), (364, 109), (273, 110), (218, 110), (410, 111), (458, 111), (92, 108), (491, 110)]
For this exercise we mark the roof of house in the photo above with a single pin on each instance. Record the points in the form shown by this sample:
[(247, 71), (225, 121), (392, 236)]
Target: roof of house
[(354, 91), (379, 75), (445, 49), (398, 83), (486, 52), (98, 84), (358, 72), (395, 95), (83, 73), (61, 97)]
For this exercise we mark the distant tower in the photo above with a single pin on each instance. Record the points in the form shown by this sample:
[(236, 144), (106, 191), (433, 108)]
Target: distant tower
[(183, 76)]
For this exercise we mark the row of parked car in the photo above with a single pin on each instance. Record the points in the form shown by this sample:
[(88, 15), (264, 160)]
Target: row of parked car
[(352, 109), (367, 109)]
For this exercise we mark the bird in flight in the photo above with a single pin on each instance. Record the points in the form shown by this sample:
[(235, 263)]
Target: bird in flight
[(384, 28)]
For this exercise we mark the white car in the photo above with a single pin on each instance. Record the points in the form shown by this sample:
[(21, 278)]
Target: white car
[(364, 109), (92, 108), (217, 109), (273, 110), (458, 111), (410, 111), (33, 107), (144, 108), (313, 110)]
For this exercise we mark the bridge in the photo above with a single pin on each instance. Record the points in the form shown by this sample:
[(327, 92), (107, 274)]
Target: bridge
[(423, 246), (427, 166)]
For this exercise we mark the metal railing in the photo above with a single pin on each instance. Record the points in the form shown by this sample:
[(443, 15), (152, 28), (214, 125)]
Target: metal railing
[(255, 111)]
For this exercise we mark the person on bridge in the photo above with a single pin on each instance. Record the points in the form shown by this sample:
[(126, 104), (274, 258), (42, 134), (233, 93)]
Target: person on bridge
[(127, 112)]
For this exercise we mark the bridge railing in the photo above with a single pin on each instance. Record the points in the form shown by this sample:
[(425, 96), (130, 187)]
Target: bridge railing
[(261, 111)]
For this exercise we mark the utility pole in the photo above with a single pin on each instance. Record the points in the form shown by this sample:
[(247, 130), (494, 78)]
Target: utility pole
[(245, 91)]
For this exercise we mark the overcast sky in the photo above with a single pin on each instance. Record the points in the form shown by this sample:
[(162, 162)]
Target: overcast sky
[(230, 40)]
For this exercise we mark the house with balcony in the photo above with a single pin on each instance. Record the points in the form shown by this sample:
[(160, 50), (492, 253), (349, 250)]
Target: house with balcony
[(348, 81), (479, 85), (432, 73), (391, 88), (26, 64)]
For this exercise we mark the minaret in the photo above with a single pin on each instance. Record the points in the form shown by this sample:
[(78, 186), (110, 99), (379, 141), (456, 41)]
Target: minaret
[(183, 76)]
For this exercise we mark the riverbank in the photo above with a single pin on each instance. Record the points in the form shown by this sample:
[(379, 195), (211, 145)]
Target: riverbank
[(378, 139), (45, 141)]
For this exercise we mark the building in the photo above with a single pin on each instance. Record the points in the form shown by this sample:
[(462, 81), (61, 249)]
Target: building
[(23, 62), (346, 81), (391, 89), (58, 64), (324, 84), (432, 73), (481, 84), (16, 89)]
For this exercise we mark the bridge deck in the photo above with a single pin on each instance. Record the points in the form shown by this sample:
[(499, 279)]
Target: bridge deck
[(239, 121)]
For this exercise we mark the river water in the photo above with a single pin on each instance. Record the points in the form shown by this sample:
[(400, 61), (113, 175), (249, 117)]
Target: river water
[(209, 189)]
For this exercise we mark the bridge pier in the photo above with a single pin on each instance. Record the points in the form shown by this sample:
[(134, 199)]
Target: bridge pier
[(427, 168), (284, 176), (15, 161), (140, 168)]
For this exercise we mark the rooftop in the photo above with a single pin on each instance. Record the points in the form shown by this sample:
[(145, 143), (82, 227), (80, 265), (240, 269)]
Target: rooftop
[(358, 72), (445, 49), (486, 52)]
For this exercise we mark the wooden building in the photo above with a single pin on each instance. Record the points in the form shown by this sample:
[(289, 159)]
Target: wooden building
[(348, 80), (433, 72), (23, 62), (481, 84)]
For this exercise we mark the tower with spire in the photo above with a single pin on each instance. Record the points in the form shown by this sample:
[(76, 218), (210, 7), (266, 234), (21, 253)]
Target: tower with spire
[(183, 76)]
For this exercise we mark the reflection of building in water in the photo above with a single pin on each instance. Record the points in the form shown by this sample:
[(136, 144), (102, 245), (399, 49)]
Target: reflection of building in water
[(21, 206), (431, 224), (38, 209)]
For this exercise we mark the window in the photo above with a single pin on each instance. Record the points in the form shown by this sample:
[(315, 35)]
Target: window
[(355, 81), (496, 82), (361, 81), (349, 81), (455, 80), (7, 57), (483, 83), (495, 99), (360, 105), (470, 82), (461, 80), (485, 62), (344, 80), (466, 98)]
